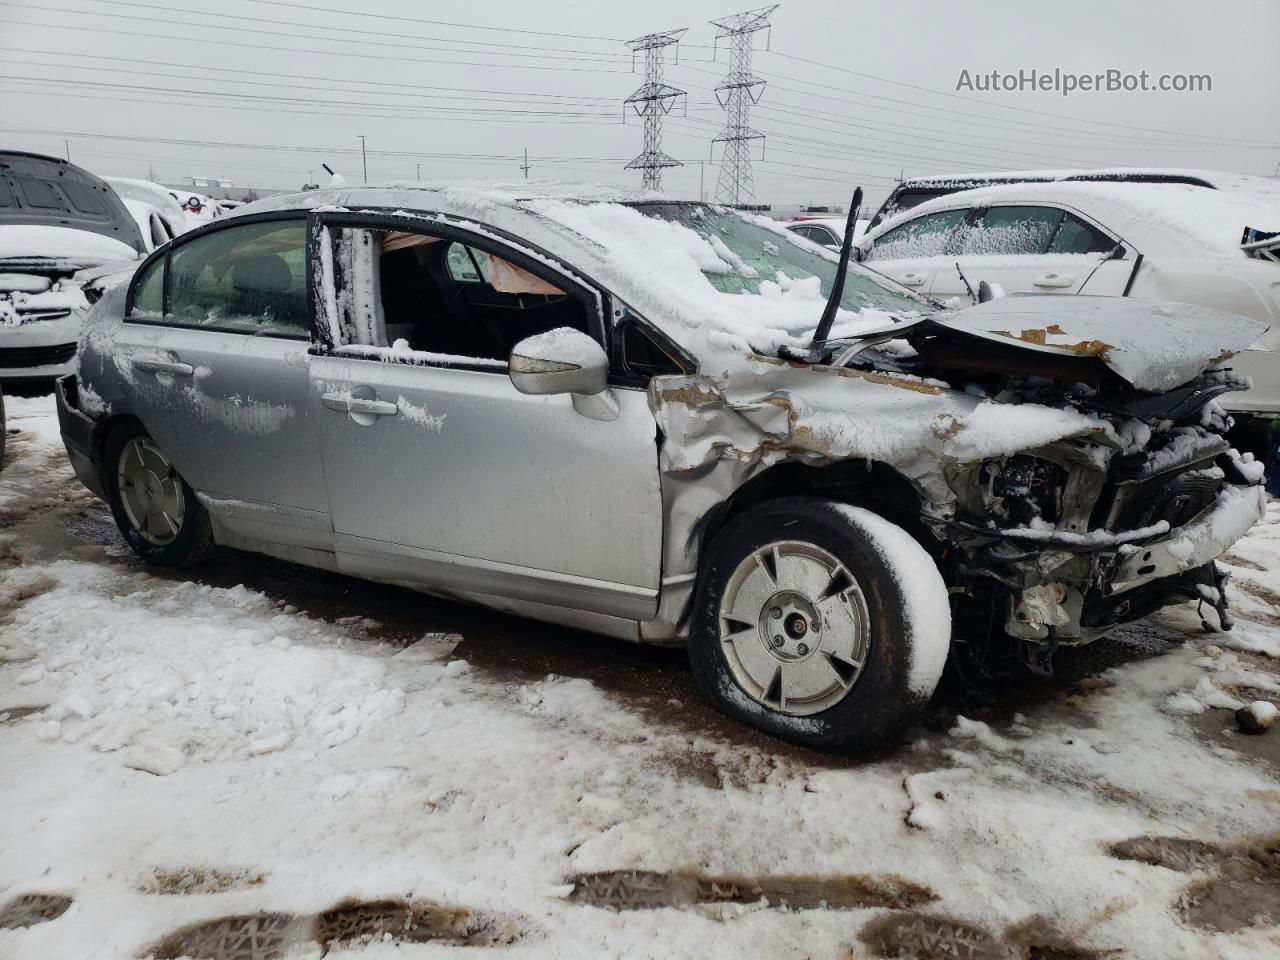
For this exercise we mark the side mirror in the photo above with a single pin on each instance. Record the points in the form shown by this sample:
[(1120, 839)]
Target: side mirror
[(559, 361)]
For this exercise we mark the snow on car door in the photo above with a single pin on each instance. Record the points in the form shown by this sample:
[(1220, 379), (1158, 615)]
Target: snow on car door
[(440, 472), (913, 252), (1026, 249)]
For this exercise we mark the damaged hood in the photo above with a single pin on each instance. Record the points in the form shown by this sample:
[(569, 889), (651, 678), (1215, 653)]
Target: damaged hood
[(1152, 346)]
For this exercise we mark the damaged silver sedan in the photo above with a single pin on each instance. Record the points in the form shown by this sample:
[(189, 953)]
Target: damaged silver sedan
[(616, 414)]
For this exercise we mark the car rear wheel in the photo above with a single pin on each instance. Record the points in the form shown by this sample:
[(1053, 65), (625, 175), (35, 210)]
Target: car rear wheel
[(822, 623), (156, 510)]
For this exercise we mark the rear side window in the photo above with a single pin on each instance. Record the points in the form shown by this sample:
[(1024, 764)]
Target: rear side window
[(462, 265), (1012, 230), (249, 278), (927, 236), (1076, 236), (6, 195)]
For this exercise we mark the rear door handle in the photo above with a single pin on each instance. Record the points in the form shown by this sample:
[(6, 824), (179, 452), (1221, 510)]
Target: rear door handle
[(162, 365), (1054, 280)]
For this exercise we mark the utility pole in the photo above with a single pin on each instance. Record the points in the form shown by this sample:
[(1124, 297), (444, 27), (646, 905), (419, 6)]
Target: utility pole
[(419, 167), (66, 145), (364, 159), (653, 101), (736, 93), (525, 166)]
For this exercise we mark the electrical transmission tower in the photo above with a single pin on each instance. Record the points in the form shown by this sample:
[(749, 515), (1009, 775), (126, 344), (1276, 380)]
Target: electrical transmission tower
[(736, 93), (653, 101)]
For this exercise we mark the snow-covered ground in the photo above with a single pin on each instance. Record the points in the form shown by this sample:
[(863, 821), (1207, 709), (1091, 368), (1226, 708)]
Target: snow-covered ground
[(209, 770)]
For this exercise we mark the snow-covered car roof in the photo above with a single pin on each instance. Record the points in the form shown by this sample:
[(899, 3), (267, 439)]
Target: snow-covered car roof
[(1162, 219)]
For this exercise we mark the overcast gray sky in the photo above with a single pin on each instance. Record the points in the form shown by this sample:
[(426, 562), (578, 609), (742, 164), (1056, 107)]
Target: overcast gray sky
[(264, 91)]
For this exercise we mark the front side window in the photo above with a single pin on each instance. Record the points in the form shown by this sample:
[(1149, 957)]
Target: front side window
[(443, 301), (926, 236), (249, 278)]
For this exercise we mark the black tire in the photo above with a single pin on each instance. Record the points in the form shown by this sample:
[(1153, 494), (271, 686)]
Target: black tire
[(194, 538), (908, 646)]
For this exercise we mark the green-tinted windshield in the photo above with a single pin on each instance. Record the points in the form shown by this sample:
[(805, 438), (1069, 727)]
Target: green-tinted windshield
[(766, 252)]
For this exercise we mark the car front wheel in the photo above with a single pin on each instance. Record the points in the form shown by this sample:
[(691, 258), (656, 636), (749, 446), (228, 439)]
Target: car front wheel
[(156, 510), (820, 622)]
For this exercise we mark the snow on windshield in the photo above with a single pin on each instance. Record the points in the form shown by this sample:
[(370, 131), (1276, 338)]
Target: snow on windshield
[(725, 277)]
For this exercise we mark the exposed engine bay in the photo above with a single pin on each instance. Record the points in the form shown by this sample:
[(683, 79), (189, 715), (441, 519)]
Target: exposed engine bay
[(1060, 544)]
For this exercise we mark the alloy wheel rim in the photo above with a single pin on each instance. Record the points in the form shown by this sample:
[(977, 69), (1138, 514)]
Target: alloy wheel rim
[(794, 628), (151, 492)]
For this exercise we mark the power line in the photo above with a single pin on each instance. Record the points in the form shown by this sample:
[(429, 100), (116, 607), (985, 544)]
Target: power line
[(998, 106), (293, 49), (169, 8), (948, 114), (339, 81), (141, 88), (308, 113), (438, 23), (461, 94)]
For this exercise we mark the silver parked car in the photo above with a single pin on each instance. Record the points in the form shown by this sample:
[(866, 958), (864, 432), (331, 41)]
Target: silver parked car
[(613, 413)]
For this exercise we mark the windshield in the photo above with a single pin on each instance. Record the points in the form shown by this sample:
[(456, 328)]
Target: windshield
[(759, 255)]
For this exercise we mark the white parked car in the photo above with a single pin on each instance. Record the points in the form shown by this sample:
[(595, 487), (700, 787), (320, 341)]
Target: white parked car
[(1153, 241), (158, 213), (56, 222)]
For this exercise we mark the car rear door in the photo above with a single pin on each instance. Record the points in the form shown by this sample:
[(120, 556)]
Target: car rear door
[(213, 356), (1026, 248), (439, 472)]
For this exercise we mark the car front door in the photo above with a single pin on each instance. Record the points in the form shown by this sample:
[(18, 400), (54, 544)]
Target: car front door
[(439, 471), (915, 252), (213, 358), (1028, 248)]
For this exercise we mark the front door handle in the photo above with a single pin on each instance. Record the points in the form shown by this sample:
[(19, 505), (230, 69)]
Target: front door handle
[(358, 406), (375, 408), (162, 365), (1054, 280)]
